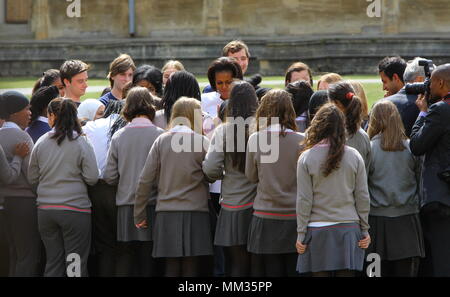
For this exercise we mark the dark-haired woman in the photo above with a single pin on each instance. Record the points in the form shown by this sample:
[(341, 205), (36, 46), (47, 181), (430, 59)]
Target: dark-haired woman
[(270, 162), (19, 198), (344, 97), (180, 84), (62, 163), (221, 74), (126, 158), (332, 200), (51, 77), (238, 192), (39, 103)]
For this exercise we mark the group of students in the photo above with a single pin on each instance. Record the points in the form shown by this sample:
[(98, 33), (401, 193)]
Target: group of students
[(120, 192)]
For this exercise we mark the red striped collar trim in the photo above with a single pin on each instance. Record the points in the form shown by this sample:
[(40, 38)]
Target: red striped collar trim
[(235, 206), (64, 207), (275, 214)]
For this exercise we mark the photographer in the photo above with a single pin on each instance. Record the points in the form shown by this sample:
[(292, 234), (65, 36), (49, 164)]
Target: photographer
[(430, 136)]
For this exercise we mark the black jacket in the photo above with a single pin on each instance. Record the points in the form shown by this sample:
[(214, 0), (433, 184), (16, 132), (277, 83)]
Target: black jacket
[(406, 105), (431, 136)]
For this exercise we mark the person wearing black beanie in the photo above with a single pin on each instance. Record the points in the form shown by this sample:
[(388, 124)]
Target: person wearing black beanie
[(39, 102), (15, 107), (20, 210)]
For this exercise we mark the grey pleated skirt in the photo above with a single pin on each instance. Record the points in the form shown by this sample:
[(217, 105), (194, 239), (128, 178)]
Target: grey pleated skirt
[(396, 238), (269, 236), (332, 248), (126, 229), (182, 234), (232, 227)]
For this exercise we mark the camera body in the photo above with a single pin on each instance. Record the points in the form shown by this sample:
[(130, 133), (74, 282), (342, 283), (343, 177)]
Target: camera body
[(422, 88)]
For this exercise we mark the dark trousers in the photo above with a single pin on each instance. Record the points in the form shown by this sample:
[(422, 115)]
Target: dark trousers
[(274, 265), (435, 219), (219, 258), (408, 267), (4, 248), (65, 233), (134, 259), (23, 236), (104, 229)]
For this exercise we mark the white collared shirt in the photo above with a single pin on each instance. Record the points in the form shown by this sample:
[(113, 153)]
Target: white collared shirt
[(43, 119), (209, 103), (181, 129), (7, 125)]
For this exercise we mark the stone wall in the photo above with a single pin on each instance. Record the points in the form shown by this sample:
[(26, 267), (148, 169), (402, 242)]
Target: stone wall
[(239, 18), (345, 55)]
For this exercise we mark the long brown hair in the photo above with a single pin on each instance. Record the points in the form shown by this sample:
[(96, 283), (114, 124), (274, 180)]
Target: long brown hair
[(386, 121), (66, 121), (276, 104), (344, 93), (243, 103), (328, 124)]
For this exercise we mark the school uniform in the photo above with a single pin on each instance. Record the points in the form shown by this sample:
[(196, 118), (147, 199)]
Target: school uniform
[(302, 122), (160, 119), (174, 166), (38, 128), (272, 229), (61, 173), (8, 173), (395, 231), (126, 158), (361, 142), (20, 209), (238, 193), (103, 199), (332, 211)]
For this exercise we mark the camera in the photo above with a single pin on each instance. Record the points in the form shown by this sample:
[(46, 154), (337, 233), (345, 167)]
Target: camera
[(421, 88)]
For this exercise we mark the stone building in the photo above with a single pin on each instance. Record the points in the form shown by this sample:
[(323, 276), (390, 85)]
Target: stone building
[(331, 35)]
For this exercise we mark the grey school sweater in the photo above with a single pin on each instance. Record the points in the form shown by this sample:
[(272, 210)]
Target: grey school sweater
[(174, 166), (342, 196), (361, 142), (20, 187), (271, 162), (9, 171), (126, 157), (237, 191), (393, 181), (62, 172)]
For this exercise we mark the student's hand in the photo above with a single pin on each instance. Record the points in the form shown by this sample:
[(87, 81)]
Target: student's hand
[(142, 225), (301, 248), (364, 243), (421, 103), (22, 150)]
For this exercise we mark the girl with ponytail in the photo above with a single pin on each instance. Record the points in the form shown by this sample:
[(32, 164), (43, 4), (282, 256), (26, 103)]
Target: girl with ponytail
[(332, 200), (344, 97), (62, 163)]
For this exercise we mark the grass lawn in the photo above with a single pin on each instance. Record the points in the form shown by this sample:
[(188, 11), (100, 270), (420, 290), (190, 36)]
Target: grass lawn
[(373, 89)]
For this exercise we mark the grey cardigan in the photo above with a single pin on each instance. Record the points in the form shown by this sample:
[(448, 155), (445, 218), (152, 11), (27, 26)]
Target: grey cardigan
[(62, 171), (237, 191), (342, 196), (393, 181)]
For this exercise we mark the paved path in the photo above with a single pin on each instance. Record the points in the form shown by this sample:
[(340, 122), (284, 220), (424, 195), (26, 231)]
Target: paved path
[(27, 91)]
